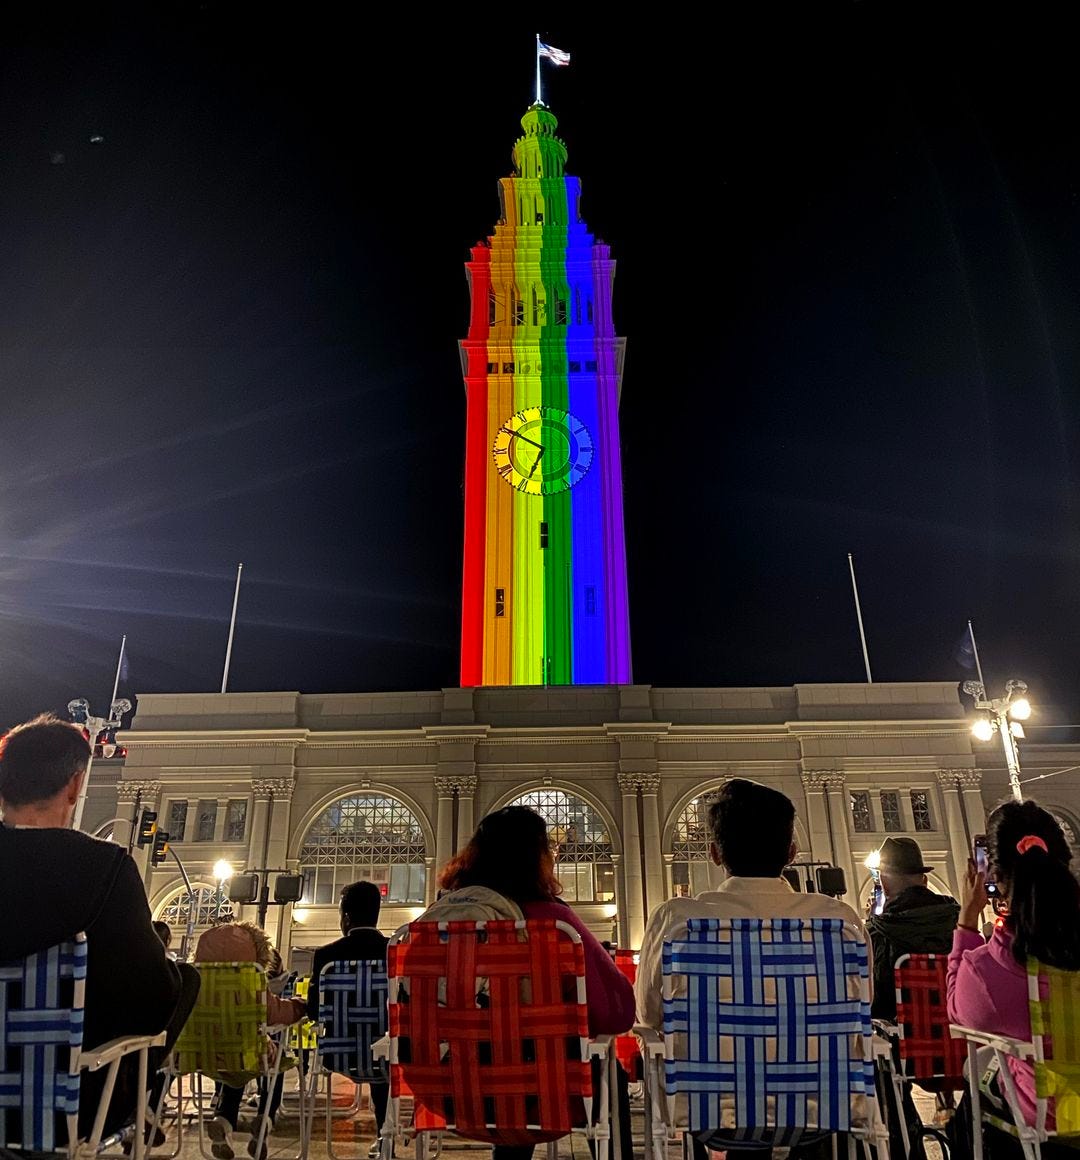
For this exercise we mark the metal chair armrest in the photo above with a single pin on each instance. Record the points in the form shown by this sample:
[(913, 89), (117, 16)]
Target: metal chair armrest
[(885, 1027), (380, 1049), (652, 1042), (99, 1057), (1004, 1043), (600, 1046)]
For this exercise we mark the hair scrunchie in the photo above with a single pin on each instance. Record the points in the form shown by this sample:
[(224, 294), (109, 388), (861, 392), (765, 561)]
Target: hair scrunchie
[(1031, 842)]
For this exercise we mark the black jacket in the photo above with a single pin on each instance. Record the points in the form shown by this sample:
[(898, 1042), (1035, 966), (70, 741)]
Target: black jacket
[(916, 921), (362, 942), (59, 882)]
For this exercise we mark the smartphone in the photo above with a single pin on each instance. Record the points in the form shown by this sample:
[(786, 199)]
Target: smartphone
[(982, 864), (879, 897)]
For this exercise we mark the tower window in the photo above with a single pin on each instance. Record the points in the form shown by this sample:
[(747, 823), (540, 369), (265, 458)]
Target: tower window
[(500, 601), (535, 308), (575, 367), (543, 535), (590, 364), (493, 368), (588, 310), (491, 307), (519, 311), (560, 311), (590, 600), (577, 306), (508, 368)]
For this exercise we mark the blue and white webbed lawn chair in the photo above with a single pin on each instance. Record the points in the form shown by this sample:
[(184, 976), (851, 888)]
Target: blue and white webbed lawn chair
[(352, 1017), (42, 1059), (767, 1036)]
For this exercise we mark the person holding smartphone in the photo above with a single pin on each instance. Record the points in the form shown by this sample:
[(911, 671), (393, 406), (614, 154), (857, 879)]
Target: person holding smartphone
[(1028, 861)]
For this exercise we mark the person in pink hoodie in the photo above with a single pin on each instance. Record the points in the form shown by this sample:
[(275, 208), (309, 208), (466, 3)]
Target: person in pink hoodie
[(511, 854), (242, 942), (987, 981)]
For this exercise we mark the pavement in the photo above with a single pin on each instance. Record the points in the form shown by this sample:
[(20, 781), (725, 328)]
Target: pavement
[(353, 1132)]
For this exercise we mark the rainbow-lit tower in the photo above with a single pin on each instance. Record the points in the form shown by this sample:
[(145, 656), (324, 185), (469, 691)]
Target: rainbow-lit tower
[(544, 588)]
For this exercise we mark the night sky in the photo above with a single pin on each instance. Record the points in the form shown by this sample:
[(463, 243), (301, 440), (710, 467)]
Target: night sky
[(848, 246)]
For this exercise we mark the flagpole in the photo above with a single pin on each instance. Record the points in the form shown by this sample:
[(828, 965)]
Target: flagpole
[(119, 666), (232, 629), (858, 614), (975, 650), (538, 100)]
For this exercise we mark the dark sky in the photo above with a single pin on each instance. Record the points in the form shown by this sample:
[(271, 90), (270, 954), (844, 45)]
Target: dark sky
[(848, 244)]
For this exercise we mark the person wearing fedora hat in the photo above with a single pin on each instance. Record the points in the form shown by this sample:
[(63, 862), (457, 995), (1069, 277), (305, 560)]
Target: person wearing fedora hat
[(914, 920)]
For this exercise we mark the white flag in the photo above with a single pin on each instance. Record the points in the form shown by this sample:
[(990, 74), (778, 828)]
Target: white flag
[(555, 55)]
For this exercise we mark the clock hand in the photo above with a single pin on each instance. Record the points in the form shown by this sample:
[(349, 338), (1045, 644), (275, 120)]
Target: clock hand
[(537, 463), (515, 435)]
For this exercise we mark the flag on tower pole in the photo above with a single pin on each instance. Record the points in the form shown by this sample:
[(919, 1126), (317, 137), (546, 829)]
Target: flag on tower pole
[(555, 55)]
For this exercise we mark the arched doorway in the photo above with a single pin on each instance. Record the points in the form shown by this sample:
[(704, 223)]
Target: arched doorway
[(210, 907)]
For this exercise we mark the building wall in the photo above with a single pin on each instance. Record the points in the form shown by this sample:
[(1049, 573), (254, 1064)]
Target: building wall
[(636, 754)]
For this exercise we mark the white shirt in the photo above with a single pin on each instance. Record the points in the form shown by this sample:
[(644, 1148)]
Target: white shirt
[(736, 898)]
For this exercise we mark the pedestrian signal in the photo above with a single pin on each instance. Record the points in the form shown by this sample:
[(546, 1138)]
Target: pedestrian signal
[(147, 827), (161, 848)]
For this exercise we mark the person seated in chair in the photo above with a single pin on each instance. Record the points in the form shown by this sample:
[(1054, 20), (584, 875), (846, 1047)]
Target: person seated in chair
[(360, 939), (752, 832), (70, 882)]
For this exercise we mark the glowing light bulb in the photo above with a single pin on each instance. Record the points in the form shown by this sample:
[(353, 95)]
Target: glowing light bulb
[(982, 730), (873, 860), (1020, 709), (222, 870), (1017, 730)]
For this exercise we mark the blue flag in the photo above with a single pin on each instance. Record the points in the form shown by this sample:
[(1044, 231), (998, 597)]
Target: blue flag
[(965, 652)]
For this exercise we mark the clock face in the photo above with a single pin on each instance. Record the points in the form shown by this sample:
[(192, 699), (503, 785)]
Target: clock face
[(542, 450)]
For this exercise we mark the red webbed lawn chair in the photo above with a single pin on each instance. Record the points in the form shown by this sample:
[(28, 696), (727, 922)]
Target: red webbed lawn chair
[(489, 1034)]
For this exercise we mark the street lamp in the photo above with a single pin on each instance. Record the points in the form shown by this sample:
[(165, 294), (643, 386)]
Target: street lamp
[(79, 711), (1003, 716), (223, 871)]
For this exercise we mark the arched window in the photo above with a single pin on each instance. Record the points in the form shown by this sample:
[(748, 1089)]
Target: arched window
[(583, 844), (1068, 828), (364, 836), (210, 906), (690, 865)]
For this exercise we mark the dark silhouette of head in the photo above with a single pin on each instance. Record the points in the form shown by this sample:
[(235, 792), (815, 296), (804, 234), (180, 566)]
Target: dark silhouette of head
[(360, 903), (753, 830), (39, 758), (509, 853)]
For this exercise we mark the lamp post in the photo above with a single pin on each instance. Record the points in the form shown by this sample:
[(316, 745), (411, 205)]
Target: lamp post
[(79, 711), (223, 871), (1003, 716)]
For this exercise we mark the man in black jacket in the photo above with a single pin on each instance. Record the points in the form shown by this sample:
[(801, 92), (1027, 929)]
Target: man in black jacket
[(914, 920), (361, 939), (61, 882)]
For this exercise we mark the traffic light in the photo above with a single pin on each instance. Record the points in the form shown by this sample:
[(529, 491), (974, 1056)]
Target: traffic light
[(147, 827), (161, 848)]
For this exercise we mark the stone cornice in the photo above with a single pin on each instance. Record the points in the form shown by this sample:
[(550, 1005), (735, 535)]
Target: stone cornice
[(278, 788), (129, 790)]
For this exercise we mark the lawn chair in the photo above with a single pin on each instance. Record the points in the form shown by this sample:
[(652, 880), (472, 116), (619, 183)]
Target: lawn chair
[(42, 1058), (925, 1053), (352, 1017), (227, 1039), (489, 1034), (628, 1047), (1054, 1054), (767, 1035)]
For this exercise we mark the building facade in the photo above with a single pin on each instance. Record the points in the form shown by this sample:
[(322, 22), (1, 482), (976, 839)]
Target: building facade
[(544, 598), (386, 786)]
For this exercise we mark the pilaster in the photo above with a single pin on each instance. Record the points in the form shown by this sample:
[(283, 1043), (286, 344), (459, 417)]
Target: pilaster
[(959, 839), (132, 798), (634, 927)]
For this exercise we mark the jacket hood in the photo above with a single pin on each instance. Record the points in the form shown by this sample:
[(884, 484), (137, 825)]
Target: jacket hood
[(911, 924)]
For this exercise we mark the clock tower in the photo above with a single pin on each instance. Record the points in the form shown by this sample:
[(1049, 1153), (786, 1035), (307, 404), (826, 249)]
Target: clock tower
[(544, 587)]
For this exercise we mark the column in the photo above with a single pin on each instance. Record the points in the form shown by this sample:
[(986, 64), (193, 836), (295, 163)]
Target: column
[(466, 796), (444, 821), (634, 930), (839, 813), (949, 784), (817, 818), (127, 813), (972, 800), (430, 885), (257, 830), (655, 886), (273, 848)]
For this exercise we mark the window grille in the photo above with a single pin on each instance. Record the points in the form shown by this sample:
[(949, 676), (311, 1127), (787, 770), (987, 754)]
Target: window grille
[(583, 845), (177, 821), (891, 821), (208, 908), (205, 821), (862, 820), (920, 808), (235, 820), (690, 846), (364, 836)]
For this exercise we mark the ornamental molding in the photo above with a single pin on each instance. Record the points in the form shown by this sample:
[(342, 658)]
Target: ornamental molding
[(460, 784), (130, 790), (966, 778), (823, 779), (278, 788), (630, 782)]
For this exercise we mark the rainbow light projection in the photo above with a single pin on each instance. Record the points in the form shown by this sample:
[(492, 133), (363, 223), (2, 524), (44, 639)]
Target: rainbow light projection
[(544, 588)]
